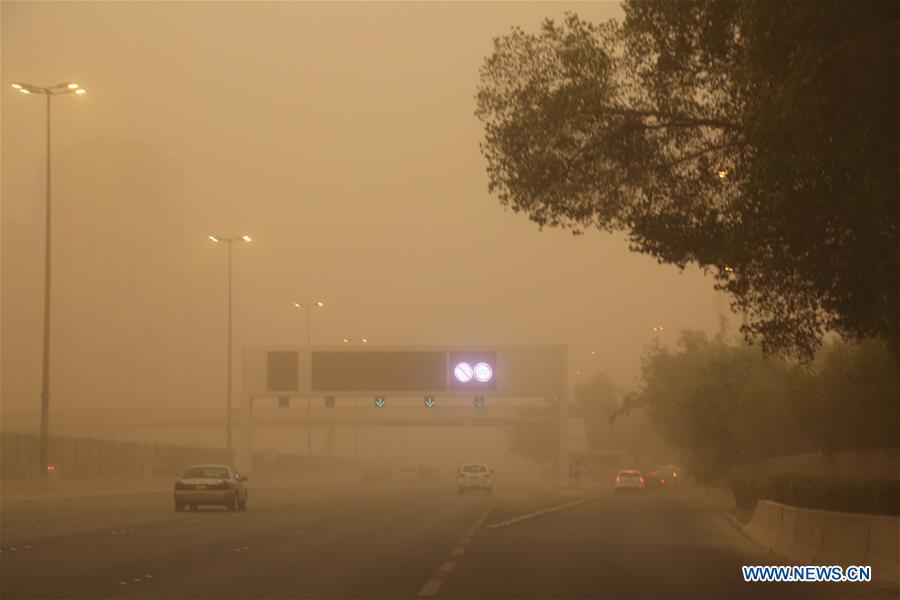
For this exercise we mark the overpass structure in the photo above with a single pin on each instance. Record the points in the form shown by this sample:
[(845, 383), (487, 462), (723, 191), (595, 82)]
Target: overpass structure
[(444, 379), (73, 421)]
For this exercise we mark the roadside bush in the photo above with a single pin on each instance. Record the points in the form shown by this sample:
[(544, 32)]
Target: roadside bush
[(871, 496), (747, 489)]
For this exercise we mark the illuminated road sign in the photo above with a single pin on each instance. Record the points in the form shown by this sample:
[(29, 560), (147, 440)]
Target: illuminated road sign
[(429, 401), (379, 402), (463, 372), (483, 372)]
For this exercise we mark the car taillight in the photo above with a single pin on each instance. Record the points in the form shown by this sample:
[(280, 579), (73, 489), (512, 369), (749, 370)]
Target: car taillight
[(618, 480), (662, 481), (222, 485), (180, 486), (642, 480)]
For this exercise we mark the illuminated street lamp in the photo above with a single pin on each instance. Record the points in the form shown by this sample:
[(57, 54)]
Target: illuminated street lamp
[(27, 89), (229, 241), (658, 329)]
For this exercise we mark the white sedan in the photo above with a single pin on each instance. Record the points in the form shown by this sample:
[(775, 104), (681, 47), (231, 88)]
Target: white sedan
[(203, 485), (474, 476)]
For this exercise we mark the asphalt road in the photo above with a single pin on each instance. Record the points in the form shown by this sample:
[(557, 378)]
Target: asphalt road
[(354, 541)]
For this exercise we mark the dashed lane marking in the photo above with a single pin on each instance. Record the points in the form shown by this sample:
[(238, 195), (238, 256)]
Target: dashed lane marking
[(431, 588), (447, 567), (433, 585)]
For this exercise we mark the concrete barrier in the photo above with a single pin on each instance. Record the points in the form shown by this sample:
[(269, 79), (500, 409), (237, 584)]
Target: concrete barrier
[(884, 541), (846, 540), (756, 528), (772, 530), (808, 536), (788, 532)]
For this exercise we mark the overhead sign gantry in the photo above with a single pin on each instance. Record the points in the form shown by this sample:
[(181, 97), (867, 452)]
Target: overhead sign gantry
[(478, 371)]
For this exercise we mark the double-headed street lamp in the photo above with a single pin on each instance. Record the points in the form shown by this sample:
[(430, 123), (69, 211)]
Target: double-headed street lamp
[(27, 89), (229, 240), (350, 340), (658, 329), (309, 307)]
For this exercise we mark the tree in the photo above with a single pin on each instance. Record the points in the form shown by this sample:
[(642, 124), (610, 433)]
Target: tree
[(722, 404), (597, 404), (852, 398), (727, 404), (755, 139)]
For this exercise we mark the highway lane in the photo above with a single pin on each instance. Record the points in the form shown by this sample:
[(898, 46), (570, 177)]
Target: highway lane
[(346, 540)]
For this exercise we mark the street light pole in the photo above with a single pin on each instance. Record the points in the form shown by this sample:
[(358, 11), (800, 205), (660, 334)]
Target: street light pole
[(229, 240), (230, 360), (28, 89), (309, 308)]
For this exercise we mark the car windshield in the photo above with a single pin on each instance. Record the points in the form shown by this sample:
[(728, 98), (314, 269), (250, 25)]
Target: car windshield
[(474, 469), (206, 473)]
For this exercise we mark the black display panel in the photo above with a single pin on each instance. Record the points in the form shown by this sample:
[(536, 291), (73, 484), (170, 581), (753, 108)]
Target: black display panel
[(281, 371), (379, 371)]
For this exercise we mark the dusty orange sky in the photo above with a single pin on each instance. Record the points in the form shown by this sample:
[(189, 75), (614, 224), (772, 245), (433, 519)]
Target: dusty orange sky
[(341, 136)]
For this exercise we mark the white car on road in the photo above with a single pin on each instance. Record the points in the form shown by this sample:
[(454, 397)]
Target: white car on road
[(475, 476), (203, 485)]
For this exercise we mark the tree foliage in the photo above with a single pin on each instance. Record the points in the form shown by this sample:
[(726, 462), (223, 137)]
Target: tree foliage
[(755, 139), (730, 404)]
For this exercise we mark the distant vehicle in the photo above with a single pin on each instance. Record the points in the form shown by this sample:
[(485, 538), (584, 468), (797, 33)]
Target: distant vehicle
[(672, 473), (205, 485), (664, 476), (475, 476), (408, 474), (629, 480)]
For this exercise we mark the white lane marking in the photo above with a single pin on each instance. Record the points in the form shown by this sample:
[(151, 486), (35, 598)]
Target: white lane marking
[(431, 588), (149, 576), (26, 546), (433, 585), (123, 583), (138, 579), (447, 567), (538, 513)]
